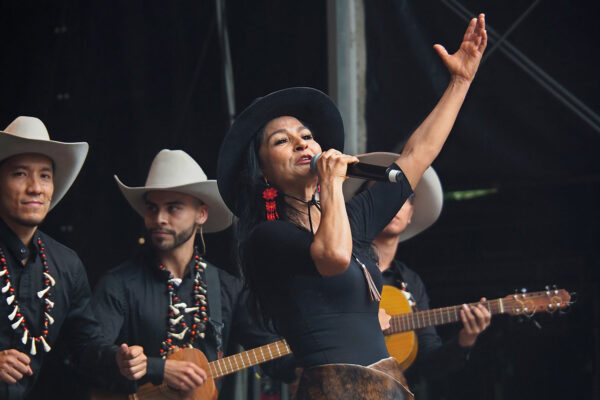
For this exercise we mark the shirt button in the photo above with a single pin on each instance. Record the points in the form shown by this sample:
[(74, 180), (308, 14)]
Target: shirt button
[(23, 250)]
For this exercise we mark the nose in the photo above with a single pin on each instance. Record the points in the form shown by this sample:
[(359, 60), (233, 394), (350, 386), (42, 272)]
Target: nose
[(301, 144), (161, 217), (34, 185)]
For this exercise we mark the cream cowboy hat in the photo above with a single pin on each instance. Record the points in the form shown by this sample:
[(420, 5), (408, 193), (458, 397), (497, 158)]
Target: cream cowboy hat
[(175, 170), (428, 199), (29, 135)]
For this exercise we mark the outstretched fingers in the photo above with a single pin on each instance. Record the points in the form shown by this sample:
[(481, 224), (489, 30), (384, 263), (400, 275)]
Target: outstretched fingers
[(470, 29)]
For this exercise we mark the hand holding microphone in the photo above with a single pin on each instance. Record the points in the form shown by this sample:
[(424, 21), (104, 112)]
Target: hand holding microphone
[(364, 171), (331, 164)]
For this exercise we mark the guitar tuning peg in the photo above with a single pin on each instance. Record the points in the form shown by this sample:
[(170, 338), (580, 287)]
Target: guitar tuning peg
[(523, 290), (547, 287)]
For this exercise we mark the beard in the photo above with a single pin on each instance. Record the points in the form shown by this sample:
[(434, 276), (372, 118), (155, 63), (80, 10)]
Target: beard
[(163, 244)]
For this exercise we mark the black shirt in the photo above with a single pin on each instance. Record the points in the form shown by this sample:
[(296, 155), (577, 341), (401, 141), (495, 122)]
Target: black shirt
[(434, 359), (326, 319), (72, 313), (132, 303)]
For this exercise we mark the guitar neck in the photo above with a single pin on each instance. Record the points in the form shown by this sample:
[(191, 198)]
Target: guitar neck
[(249, 358), (437, 316)]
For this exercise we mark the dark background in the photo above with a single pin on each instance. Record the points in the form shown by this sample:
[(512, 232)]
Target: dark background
[(131, 78)]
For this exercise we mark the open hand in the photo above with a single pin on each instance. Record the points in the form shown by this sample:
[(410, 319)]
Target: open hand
[(475, 320), (132, 361), (13, 366), (464, 63)]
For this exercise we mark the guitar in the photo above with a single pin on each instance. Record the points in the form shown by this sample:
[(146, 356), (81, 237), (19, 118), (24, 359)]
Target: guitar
[(401, 340), (403, 320), (215, 370)]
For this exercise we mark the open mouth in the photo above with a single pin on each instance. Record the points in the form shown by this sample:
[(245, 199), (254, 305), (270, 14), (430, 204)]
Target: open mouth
[(304, 159)]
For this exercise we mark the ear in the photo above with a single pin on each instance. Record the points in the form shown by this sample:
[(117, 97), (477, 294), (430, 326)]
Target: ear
[(201, 214), (410, 215)]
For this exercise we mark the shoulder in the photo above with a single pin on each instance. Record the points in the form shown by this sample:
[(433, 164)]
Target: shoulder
[(125, 273), (403, 268), (266, 233), (412, 278), (58, 249), (227, 279), (272, 228)]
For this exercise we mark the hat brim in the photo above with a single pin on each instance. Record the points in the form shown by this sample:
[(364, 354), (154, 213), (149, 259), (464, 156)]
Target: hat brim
[(219, 216), (428, 200), (311, 106), (68, 158)]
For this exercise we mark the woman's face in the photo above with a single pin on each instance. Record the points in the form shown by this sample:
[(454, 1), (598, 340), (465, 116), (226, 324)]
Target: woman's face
[(286, 151)]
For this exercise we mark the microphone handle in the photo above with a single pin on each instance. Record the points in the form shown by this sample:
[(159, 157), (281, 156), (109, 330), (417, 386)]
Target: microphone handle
[(365, 171), (368, 171)]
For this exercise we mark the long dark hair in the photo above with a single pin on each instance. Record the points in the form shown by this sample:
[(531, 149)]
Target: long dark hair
[(251, 212)]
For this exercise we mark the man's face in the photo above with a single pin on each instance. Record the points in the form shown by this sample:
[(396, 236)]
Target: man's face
[(26, 188), (171, 218)]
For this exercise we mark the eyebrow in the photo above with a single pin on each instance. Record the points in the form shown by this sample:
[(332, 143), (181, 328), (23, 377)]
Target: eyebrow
[(29, 168), (298, 129)]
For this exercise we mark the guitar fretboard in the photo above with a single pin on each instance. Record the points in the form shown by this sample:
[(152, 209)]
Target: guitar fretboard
[(246, 359), (438, 316)]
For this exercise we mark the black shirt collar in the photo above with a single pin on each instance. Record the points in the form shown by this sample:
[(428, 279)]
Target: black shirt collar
[(150, 260), (14, 245)]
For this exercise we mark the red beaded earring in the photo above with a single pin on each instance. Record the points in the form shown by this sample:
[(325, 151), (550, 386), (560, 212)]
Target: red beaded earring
[(270, 194)]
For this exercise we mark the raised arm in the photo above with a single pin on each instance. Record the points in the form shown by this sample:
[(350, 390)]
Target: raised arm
[(331, 248), (427, 140)]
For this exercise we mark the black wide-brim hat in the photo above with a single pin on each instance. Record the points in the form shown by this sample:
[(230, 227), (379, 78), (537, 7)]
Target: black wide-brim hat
[(314, 108)]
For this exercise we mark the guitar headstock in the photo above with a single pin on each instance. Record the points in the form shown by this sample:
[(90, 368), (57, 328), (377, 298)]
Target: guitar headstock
[(527, 304)]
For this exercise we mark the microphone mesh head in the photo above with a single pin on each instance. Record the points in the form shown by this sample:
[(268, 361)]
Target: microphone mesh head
[(313, 163)]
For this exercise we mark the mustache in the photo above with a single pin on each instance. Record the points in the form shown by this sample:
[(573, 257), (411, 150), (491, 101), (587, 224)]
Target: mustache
[(169, 231)]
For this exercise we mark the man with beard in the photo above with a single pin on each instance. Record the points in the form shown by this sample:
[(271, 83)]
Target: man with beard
[(168, 295), (44, 289)]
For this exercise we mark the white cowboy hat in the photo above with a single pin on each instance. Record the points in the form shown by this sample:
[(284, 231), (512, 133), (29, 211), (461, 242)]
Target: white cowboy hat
[(175, 170), (428, 199), (29, 135)]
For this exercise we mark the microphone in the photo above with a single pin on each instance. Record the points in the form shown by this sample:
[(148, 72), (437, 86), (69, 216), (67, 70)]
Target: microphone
[(366, 171)]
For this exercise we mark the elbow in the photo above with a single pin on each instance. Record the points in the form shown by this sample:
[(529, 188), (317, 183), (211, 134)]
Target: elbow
[(331, 261)]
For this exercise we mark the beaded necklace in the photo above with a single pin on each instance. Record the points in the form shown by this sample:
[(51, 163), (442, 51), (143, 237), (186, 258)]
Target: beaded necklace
[(176, 326), (18, 322)]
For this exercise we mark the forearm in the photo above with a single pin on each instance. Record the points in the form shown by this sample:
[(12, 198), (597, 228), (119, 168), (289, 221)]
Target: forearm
[(427, 140), (332, 245)]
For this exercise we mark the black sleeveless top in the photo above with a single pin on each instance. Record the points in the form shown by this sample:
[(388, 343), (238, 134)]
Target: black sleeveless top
[(326, 319)]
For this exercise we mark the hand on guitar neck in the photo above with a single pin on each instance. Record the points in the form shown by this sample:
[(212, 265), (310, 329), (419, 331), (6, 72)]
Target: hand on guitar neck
[(183, 375), (475, 320)]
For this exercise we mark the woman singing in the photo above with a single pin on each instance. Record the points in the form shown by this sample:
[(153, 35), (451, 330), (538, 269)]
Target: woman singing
[(304, 252)]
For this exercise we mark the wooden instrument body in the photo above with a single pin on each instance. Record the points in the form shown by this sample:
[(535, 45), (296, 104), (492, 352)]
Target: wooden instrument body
[(402, 346), (148, 391), (401, 339)]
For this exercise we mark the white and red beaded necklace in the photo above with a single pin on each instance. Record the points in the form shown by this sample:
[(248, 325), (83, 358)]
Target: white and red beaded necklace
[(177, 329), (18, 322)]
